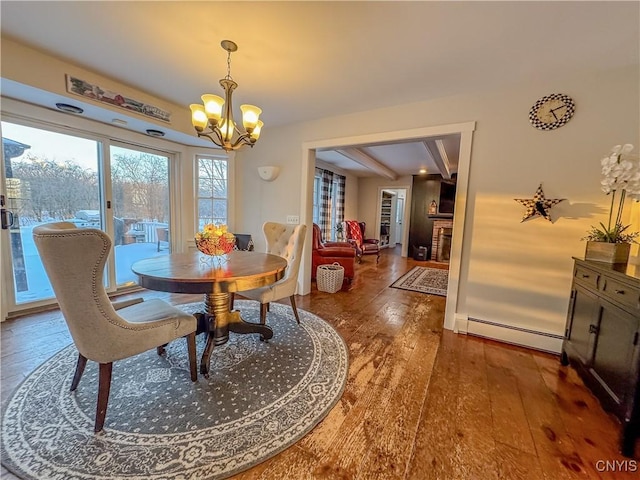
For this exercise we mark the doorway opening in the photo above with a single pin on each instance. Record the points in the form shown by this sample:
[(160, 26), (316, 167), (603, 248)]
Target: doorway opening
[(392, 213), (465, 130)]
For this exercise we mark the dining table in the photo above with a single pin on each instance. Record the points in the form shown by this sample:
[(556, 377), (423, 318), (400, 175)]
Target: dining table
[(217, 277)]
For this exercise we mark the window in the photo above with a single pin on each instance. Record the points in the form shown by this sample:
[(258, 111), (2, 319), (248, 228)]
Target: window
[(328, 202), (50, 176), (316, 199), (213, 190), (56, 176)]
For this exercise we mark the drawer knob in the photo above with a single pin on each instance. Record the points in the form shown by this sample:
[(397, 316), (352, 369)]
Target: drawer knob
[(584, 275), (593, 329), (619, 292)]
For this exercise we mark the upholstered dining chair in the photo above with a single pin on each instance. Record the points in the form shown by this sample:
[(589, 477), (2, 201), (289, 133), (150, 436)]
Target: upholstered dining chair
[(287, 242), (102, 331), (244, 241)]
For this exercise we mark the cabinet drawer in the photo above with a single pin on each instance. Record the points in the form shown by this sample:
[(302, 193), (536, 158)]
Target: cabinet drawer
[(622, 293), (586, 277)]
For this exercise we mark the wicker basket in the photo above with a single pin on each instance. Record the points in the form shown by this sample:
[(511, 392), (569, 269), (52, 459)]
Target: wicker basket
[(330, 277)]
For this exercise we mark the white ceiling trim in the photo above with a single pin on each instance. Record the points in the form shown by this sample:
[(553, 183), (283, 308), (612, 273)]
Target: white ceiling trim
[(436, 157), (391, 137), (444, 157)]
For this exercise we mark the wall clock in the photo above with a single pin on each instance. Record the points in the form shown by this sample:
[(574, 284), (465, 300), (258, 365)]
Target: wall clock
[(552, 111)]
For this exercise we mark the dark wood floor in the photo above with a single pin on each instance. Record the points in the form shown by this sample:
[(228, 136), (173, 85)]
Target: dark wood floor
[(485, 410)]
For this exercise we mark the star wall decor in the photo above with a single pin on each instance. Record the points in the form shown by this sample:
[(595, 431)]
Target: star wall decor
[(538, 205)]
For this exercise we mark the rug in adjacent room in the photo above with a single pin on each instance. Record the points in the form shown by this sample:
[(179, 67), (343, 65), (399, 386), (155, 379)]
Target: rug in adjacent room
[(261, 398), (424, 280)]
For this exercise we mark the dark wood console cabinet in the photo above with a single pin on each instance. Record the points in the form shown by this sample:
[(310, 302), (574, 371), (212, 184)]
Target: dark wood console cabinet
[(601, 339)]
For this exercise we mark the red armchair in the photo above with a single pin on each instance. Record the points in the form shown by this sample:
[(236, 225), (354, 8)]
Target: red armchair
[(330, 252), (364, 246)]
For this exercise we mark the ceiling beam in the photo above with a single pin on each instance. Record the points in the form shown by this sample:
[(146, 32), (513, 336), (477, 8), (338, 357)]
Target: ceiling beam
[(445, 158), (438, 154), (369, 162)]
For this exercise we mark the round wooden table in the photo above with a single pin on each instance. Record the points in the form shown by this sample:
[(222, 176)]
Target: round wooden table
[(216, 278)]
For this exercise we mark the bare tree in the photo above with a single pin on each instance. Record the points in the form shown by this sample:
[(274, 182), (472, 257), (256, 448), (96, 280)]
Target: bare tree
[(51, 189), (140, 186)]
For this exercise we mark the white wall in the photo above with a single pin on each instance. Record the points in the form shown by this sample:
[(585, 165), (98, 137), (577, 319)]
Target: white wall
[(42, 71), (518, 274)]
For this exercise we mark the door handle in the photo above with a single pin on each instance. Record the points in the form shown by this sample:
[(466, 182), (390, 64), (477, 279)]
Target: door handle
[(6, 217)]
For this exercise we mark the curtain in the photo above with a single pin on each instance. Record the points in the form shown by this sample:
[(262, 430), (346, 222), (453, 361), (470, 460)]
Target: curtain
[(330, 202), (326, 193), (340, 183)]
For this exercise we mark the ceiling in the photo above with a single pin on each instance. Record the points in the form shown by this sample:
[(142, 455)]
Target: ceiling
[(301, 61)]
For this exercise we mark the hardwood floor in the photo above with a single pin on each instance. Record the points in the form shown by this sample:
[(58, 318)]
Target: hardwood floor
[(485, 411)]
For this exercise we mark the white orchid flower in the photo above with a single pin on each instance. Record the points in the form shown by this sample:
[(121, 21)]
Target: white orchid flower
[(620, 173), (615, 150)]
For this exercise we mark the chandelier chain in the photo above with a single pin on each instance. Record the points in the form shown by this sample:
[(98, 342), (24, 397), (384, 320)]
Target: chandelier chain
[(228, 77)]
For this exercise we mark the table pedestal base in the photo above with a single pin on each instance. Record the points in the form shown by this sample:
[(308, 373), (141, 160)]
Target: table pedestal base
[(217, 321)]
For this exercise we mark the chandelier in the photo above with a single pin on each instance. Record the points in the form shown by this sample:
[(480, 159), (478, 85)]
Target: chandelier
[(216, 114)]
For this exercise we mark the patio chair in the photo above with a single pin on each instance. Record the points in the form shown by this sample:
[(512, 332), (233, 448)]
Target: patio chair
[(163, 236)]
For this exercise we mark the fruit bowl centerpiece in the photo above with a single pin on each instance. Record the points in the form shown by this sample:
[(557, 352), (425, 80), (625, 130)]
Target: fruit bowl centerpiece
[(214, 240)]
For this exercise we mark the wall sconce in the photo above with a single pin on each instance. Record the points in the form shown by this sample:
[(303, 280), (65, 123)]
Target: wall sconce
[(433, 208), (269, 173)]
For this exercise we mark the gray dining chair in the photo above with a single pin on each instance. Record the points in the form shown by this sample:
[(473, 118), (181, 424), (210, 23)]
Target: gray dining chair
[(285, 241), (102, 331)]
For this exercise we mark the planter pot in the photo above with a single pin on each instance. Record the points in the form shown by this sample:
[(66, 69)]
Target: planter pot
[(607, 252)]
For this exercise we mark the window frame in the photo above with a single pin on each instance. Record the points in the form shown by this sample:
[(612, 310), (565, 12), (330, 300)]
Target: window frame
[(317, 180), (228, 199), (35, 117)]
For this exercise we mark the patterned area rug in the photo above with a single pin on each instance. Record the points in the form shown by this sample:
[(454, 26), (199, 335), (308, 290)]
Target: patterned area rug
[(425, 280), (261, 398)]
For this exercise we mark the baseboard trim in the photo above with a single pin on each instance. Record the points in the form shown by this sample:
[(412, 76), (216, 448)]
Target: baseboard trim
[(546, 342), (461, 325)]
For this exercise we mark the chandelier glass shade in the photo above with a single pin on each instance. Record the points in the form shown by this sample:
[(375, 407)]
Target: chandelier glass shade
[(214, 117)]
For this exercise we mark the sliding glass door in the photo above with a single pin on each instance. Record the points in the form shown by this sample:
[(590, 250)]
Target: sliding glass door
[(50, 176), (140, 193)]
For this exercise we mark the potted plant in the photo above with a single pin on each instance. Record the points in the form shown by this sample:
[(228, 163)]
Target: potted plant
[(620, 178)]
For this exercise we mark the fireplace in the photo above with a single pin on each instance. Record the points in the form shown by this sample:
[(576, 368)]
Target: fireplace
[(441, 240), (444, 245)]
